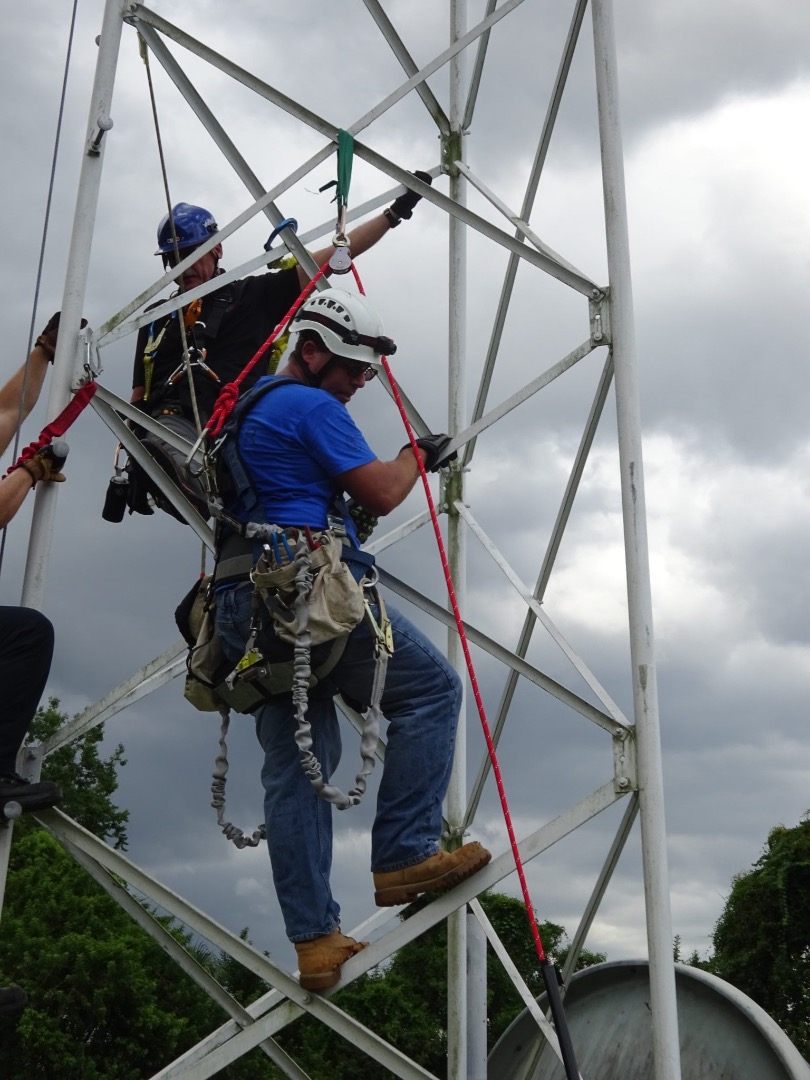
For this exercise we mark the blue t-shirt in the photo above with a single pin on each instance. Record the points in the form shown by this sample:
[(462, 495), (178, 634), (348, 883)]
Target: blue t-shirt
[(294, 441)]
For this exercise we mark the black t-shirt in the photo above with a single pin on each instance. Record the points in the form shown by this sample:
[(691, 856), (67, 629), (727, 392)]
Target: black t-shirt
[(238, 319)]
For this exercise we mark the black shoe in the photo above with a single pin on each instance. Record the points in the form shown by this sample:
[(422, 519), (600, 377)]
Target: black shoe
[(12, 999), (15, 788)]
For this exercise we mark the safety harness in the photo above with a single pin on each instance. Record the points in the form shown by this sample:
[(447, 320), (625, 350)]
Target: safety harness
[(311, 588), (199, 332)]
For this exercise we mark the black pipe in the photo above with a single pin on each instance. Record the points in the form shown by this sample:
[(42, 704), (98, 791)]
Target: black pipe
[(553, 980)]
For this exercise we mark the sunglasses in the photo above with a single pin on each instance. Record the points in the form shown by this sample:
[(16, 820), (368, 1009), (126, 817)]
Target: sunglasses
[(356, 368)]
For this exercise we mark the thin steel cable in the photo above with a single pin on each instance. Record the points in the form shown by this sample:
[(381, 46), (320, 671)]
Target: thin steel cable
[(144, 51), (38, 282)]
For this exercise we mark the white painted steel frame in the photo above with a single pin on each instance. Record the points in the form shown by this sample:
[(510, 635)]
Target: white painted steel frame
[(611, 323), (454, 142), (666, 1045), (232, 1040)]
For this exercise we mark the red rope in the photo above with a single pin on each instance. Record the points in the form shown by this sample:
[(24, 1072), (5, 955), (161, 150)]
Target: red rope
[(58, 426), (229, 395), (451, 593)]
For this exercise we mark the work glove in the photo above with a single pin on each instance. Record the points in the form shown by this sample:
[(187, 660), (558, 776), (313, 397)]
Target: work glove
[(47, 463), (402, 206), (364, 521), (435, 445), (47, 339)]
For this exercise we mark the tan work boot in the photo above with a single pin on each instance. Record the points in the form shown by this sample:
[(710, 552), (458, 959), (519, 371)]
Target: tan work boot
[(437, 874), (319, 960)]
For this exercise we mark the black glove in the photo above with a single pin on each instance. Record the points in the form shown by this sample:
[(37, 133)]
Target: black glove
[(364, 521), (402, 206), (435, 445), (47, 339)]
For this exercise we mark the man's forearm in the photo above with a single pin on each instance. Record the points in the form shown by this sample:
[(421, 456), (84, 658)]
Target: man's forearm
[(381, 486), (11, 395), (367, 234)]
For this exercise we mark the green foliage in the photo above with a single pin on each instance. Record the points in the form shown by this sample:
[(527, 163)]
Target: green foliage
[(105, 1001), (236, 979), (762, 939), (99, 996), (87, 782)]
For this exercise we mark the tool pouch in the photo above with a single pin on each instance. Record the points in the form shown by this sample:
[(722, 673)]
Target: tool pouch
[(207, 665), (334, 598)]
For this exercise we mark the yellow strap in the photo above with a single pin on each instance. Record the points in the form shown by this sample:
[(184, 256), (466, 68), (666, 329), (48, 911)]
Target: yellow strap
[(382, 631), (149, 359)]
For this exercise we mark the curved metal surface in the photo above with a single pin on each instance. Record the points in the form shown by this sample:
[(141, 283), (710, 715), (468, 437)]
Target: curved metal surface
[(724, 1035)]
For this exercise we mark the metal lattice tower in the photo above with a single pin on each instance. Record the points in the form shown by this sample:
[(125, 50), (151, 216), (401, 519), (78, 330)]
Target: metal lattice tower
[(601, 355)]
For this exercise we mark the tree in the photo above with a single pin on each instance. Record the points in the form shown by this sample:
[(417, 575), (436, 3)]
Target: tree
[(762, 939), (105, 1002), (87, 782)]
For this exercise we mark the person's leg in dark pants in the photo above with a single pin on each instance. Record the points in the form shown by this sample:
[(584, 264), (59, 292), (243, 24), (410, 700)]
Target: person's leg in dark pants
[(26, 650)]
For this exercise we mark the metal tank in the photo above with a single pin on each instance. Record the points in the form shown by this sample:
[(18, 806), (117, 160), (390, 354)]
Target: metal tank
[(724, 1035)]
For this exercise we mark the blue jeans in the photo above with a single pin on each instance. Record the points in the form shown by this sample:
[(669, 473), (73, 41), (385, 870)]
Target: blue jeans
[(421, 702)]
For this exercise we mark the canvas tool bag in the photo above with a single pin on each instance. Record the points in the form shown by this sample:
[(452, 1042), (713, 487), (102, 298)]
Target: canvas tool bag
[(335, 603), (207, 665)]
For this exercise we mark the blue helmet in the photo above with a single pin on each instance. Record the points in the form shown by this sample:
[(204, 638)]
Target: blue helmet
[(192, 224)]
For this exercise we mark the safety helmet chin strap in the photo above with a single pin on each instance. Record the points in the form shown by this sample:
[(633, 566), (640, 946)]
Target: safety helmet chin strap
[(310, 377)]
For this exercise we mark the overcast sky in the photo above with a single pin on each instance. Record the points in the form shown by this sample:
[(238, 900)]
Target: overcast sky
[(714, 103)]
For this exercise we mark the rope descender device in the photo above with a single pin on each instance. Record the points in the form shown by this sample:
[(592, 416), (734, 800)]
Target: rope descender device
[(341, 260), (195, 353)]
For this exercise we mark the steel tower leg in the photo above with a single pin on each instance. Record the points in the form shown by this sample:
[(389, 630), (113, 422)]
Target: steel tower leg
[(645, 687), (81, 241), (456, 541)]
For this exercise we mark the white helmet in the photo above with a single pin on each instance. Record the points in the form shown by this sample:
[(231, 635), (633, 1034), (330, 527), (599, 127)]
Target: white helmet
[(348, 324)]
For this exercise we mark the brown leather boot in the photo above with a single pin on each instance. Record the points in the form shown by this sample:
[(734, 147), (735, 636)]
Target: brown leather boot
[(437, 874), (319, 960)]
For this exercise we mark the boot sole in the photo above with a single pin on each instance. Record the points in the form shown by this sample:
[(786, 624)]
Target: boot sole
[(394, 895), (319, 980)]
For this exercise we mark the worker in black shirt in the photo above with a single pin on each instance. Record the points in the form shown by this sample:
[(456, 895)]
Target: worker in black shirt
[(231, 323)]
